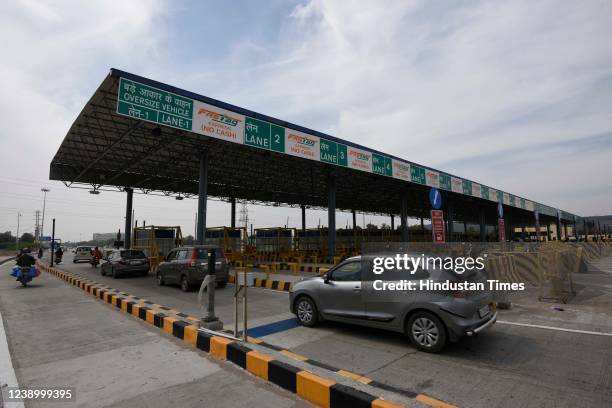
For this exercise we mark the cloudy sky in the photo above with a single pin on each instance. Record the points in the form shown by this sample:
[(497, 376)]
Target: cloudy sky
[(516, 95)]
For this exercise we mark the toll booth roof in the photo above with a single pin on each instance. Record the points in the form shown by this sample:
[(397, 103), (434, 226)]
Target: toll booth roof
[(138, 133)]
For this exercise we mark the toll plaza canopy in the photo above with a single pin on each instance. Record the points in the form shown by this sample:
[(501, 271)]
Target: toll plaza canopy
[(145, 135)]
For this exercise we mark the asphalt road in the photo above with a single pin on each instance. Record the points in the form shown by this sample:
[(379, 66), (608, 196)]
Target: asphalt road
[(59, 336), (506, 366)]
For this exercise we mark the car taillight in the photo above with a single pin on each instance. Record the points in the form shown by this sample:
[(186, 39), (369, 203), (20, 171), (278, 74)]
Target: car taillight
[(194, 259)]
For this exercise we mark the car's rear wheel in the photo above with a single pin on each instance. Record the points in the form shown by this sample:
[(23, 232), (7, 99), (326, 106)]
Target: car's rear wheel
[(160, 279), (185, 287), (114, 273), (306, 312), (102, 271), (426, 332)]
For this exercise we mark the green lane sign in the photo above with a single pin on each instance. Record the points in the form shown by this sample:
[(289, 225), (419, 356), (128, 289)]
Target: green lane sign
[(500, 196), (257, 133), (381, 165), (484, 192), (467, 187), (512, 200), (329, 151), (445, 182), (334, 153), (523, 203), (264, 135), (154, 105), (277, 138), (417, 174)]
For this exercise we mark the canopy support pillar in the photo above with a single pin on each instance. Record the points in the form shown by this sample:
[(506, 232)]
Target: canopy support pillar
[(202, 197), (128, 218)]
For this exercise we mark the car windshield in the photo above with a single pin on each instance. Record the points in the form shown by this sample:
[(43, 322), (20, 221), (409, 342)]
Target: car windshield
[(131, 254), (81, 249), (203, 253)]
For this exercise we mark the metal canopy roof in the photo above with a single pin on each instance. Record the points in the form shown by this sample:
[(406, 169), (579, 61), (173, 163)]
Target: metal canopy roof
[(105, 149)]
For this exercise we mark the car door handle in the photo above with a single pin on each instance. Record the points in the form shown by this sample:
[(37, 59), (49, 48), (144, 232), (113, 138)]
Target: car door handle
[(357, 289)]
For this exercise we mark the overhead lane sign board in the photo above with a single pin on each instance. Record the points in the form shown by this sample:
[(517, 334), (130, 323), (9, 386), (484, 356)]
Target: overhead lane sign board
[(381, 165), (417, 174), (401, 170), (333, 153), (144, 102), (457, 185), (219, 123), (359, 159), (154, 105), (432, 178), (445, 182)]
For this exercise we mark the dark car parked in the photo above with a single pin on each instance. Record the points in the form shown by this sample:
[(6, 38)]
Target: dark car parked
[(187, 266), (125, 262)]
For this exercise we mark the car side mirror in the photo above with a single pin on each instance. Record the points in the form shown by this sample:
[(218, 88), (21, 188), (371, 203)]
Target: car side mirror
[(326, 278)]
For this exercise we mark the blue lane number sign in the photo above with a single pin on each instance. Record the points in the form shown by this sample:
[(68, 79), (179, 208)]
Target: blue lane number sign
[(500, 210), (435, 198)]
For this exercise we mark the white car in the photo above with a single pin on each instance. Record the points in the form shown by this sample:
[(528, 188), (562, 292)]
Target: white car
[(82, 253)]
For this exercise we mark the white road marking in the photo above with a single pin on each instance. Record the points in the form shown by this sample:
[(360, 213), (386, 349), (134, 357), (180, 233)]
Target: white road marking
[(7, 372), (538, 326)]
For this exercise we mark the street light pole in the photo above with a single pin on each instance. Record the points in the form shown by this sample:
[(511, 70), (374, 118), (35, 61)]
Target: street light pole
[(42, 227)]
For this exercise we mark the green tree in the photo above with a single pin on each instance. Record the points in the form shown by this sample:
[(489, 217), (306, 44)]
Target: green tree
[(27, 237)]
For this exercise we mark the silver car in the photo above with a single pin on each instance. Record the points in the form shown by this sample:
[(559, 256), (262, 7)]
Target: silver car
[(428, 318)]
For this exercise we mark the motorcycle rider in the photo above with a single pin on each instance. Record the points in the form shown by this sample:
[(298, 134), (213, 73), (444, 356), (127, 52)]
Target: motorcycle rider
[(58, 254), (96, 256), (40, 253), (24, 260)]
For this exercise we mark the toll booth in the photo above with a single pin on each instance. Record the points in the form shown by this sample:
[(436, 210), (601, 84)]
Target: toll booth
[(348, 240), (275, 240), (233, 240), (312, 240), (156, 242)]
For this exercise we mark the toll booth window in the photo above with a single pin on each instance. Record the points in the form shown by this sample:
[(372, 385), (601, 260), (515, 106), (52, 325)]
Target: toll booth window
[(348, 272)]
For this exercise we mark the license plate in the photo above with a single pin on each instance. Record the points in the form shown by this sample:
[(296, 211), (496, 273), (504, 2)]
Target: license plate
[(483, 311), (135, 262)]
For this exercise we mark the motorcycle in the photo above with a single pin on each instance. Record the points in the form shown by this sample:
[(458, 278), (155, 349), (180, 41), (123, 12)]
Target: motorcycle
[(25, 274), (58, 258), (95, 261)]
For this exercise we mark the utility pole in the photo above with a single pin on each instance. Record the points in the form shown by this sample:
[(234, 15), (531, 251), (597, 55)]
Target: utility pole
[(17, 237), (42, 225), (37, 226)]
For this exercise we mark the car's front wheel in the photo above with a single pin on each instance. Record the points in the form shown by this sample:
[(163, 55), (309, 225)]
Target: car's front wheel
[(306, 311), (160, 279), (426, 331)]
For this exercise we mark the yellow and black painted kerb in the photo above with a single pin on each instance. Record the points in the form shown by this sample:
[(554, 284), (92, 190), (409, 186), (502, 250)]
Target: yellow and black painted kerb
[(320, 391), (268, 284)]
